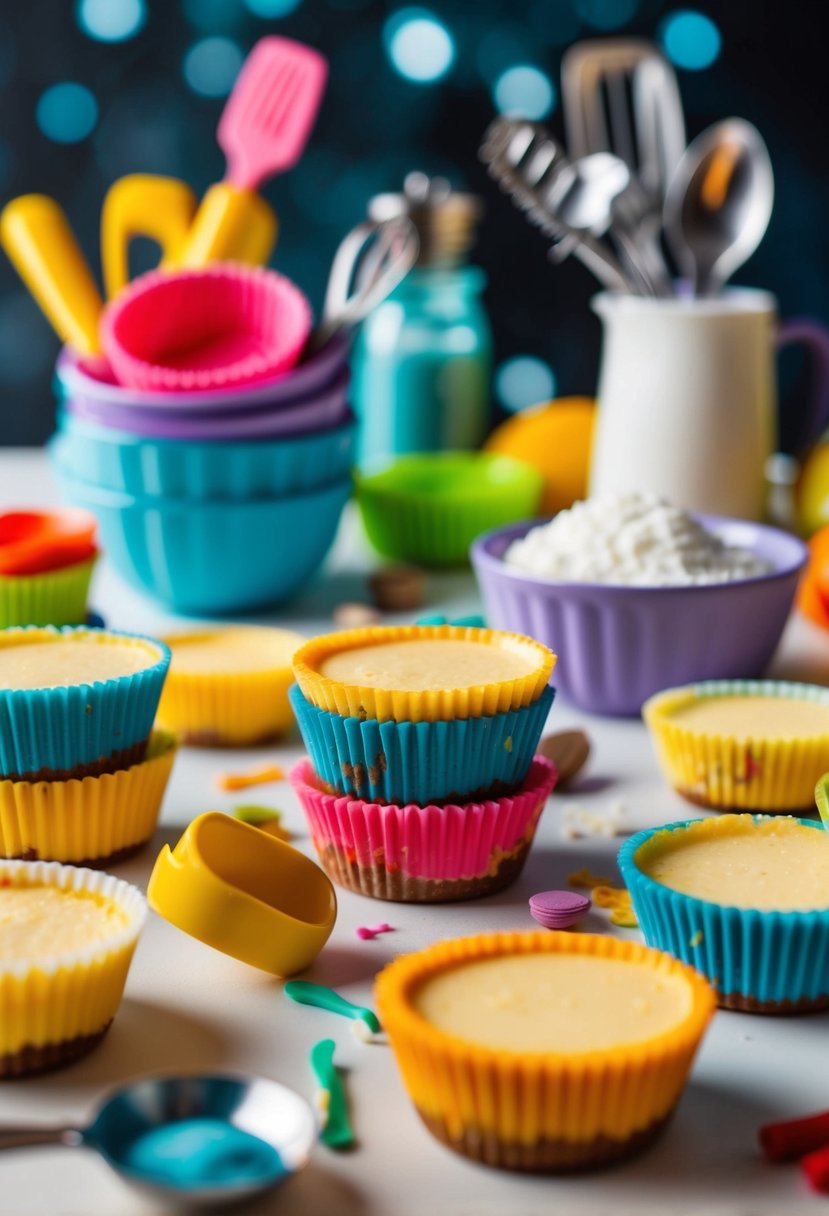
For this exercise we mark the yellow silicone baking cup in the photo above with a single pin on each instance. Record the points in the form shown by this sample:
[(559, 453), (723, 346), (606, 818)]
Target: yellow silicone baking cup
[(86, 820), (232, 709), (53, 1009), (748, 773), (382, 704), (575, 1108)]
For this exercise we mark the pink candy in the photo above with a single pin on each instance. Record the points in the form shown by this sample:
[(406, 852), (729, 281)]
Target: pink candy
[(368, 934), (559, 909)]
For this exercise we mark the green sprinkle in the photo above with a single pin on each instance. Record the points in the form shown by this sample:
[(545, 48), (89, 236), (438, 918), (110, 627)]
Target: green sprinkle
[(336, 1131), (822, 799), (257, 815), (322, 997)]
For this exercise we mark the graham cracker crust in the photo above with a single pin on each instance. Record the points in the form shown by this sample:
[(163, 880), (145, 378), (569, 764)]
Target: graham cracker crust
[(125, 758), (545, 1156), (397, 887), (750, 1004), (701, 800), (89, 863), (31, 1059)]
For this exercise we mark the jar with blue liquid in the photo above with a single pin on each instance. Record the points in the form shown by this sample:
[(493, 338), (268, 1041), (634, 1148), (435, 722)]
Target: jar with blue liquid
[(422, 362)]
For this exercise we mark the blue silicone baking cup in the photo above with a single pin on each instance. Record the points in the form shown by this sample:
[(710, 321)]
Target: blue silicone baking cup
[(422, 762), (62, 729), (758, 962)]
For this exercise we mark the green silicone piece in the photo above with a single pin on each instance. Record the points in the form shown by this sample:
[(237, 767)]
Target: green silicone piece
[(428, 507), (337, 1131), (822, 799), (322, 997), (257, 815)]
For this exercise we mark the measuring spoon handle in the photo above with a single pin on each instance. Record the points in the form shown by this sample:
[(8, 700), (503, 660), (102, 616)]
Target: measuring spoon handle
[(35, 1135)]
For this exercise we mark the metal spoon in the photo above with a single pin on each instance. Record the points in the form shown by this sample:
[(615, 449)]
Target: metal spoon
[(719, 203), (525, 160), (279, 1119), (369, 263)]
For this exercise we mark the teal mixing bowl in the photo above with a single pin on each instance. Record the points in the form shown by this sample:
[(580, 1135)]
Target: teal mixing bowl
[(207, 558), (176, 468)]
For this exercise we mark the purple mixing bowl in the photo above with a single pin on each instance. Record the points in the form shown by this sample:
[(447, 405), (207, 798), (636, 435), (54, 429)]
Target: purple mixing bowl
[(93, 383), (619, 645), (329, 409)]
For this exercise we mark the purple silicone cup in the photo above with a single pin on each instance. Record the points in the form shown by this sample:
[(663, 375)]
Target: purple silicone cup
[(93, 383), (329, 409), (619, 645)]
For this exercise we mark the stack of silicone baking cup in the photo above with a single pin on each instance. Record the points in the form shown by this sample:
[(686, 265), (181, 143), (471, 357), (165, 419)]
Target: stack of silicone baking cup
[(46, 564), (82, 774), (422, 796)]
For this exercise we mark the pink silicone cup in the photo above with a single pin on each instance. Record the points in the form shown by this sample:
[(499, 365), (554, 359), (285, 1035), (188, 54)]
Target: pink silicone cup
[(192, 330), (450, 842)]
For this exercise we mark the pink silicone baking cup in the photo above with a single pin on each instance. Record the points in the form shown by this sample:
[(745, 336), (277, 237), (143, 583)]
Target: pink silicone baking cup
[(359, 842), (192, 330)]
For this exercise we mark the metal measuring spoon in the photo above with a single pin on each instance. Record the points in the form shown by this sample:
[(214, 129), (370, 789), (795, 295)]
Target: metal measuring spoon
[(267, 1119), (719, 203)]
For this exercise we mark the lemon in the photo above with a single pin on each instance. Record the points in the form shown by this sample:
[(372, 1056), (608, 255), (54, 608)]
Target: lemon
[(556, 438), (812, 494)]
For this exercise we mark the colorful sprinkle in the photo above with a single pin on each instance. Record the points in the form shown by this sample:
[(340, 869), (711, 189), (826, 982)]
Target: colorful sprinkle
[(322, 997), (367, 933), (267, 818), (584, 878), (255, 776), (330, 1099)]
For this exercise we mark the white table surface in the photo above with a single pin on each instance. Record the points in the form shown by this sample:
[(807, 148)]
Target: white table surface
[(187, 1006)]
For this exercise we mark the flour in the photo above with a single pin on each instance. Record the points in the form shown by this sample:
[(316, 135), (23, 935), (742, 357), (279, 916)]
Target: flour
[(630, 540)]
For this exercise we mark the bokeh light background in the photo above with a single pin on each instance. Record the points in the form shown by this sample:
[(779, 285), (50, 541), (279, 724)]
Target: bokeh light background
[(93, 89)]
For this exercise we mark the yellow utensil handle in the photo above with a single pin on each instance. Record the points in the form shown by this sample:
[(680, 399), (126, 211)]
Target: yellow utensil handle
[(143, 204), (36, 235), (231, 225)]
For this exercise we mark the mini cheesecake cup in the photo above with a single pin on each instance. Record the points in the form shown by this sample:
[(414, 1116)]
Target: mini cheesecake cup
[(424, 854), (757, 961), (383, 704), (456, 761), (54, 1010), (538, 1111), (56, 597), (722, 771), (85, 728), (91, 821), (227, 708)]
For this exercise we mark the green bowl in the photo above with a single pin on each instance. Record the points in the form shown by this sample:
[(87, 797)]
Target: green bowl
[(428, 507)]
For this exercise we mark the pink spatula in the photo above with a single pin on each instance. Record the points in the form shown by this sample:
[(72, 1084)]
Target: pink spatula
[(263, 130)]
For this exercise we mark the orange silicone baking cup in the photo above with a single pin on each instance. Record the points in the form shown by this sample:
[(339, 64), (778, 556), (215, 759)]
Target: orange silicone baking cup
[(400, 705), (514, 1100)]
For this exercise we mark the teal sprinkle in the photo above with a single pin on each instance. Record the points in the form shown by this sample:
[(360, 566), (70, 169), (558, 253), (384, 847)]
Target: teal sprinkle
[(337, 1131), (322, 997)]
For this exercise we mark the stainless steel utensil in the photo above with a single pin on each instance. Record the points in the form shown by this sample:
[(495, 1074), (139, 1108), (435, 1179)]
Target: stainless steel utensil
[(274, 1114), (621, 95), (525, 161), (368, 265), (719, 203)]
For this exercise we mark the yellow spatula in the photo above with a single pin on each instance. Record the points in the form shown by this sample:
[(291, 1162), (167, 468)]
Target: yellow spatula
[(36, 235)]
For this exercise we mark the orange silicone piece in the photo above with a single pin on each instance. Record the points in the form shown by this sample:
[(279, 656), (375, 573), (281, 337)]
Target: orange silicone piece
[(34, 542), (525, 1097)]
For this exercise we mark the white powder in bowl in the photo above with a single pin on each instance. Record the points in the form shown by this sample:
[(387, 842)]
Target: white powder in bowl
[(630, 540)]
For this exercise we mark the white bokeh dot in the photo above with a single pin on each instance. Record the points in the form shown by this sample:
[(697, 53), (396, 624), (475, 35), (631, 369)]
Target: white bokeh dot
[(523, 381)]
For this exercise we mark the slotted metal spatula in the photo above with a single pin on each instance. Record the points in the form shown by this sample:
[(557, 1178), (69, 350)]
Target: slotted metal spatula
[(621, 95)]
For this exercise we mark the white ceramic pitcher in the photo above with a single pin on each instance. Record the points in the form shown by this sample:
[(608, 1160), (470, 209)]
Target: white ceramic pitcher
[(688, 397)]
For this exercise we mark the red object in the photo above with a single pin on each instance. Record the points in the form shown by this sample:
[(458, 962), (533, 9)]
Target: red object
[(34, 542), (790, 1140), (816, 1168)]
